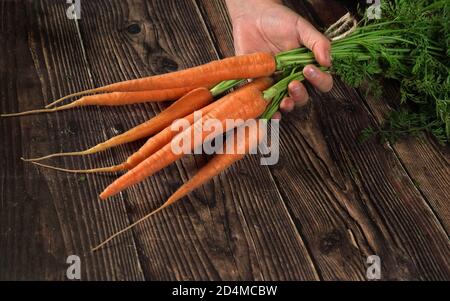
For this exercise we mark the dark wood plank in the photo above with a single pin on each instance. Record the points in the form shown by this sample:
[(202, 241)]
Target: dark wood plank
[(350, 200), (46, 216), (224, 231)]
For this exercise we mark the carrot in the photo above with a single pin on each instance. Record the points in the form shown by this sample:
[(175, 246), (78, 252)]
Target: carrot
[(245, 104), (196, 99), (114, 168), (252, 137), (165, 136), (114, 99), (158, 141), (238, 67), (149, 148)]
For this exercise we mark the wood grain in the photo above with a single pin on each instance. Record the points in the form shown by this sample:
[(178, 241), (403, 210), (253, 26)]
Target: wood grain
[(425, 160), (187, 241), (48, 216), (140, 38), (317, 215), (350, 200)]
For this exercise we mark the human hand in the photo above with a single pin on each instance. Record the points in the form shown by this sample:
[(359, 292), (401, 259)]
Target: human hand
[(267, 25)]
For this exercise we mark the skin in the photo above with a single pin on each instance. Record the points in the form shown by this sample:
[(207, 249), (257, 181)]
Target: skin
[(268, 25)]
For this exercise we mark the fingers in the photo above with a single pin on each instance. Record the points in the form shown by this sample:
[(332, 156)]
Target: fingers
[(298, 93), (298, 96), (287, 105), (321, 80), (315, 41)]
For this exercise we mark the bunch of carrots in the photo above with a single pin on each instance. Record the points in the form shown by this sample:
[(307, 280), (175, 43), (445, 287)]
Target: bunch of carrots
[(364, 50), (202, 88), (198, 90)]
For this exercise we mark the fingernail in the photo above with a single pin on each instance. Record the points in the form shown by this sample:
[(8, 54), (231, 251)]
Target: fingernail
[(311, 72)]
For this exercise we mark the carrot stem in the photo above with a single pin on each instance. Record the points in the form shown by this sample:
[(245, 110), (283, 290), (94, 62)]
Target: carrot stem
[(225, 86), (276, 93)]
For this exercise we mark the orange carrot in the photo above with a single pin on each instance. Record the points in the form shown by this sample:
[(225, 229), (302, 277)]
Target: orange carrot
[(114, 99), (238, 67), (165, 136), (194, 100), (245, 104), (156, 142), (252, 137), (149, 148)]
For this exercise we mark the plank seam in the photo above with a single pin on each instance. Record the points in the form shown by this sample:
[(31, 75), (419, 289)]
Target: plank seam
[(314, 264), (340, 206), (207, 30)]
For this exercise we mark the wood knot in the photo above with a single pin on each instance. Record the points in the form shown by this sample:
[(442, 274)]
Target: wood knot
[(134, 28), (164, 64), (330, 242)]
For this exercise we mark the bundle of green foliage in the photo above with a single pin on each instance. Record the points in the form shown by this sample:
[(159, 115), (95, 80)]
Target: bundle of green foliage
[(410, 44)]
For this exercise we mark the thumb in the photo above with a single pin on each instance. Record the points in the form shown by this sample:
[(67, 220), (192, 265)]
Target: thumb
[(312, 39)]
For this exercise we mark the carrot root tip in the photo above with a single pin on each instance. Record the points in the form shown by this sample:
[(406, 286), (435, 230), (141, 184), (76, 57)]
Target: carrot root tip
[(109, 169), (59, 100)]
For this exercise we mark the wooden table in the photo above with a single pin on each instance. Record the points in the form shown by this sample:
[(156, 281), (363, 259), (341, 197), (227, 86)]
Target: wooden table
[(317, 215)]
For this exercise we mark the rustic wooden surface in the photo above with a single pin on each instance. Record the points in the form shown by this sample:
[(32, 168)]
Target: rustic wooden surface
[(317, 215)]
